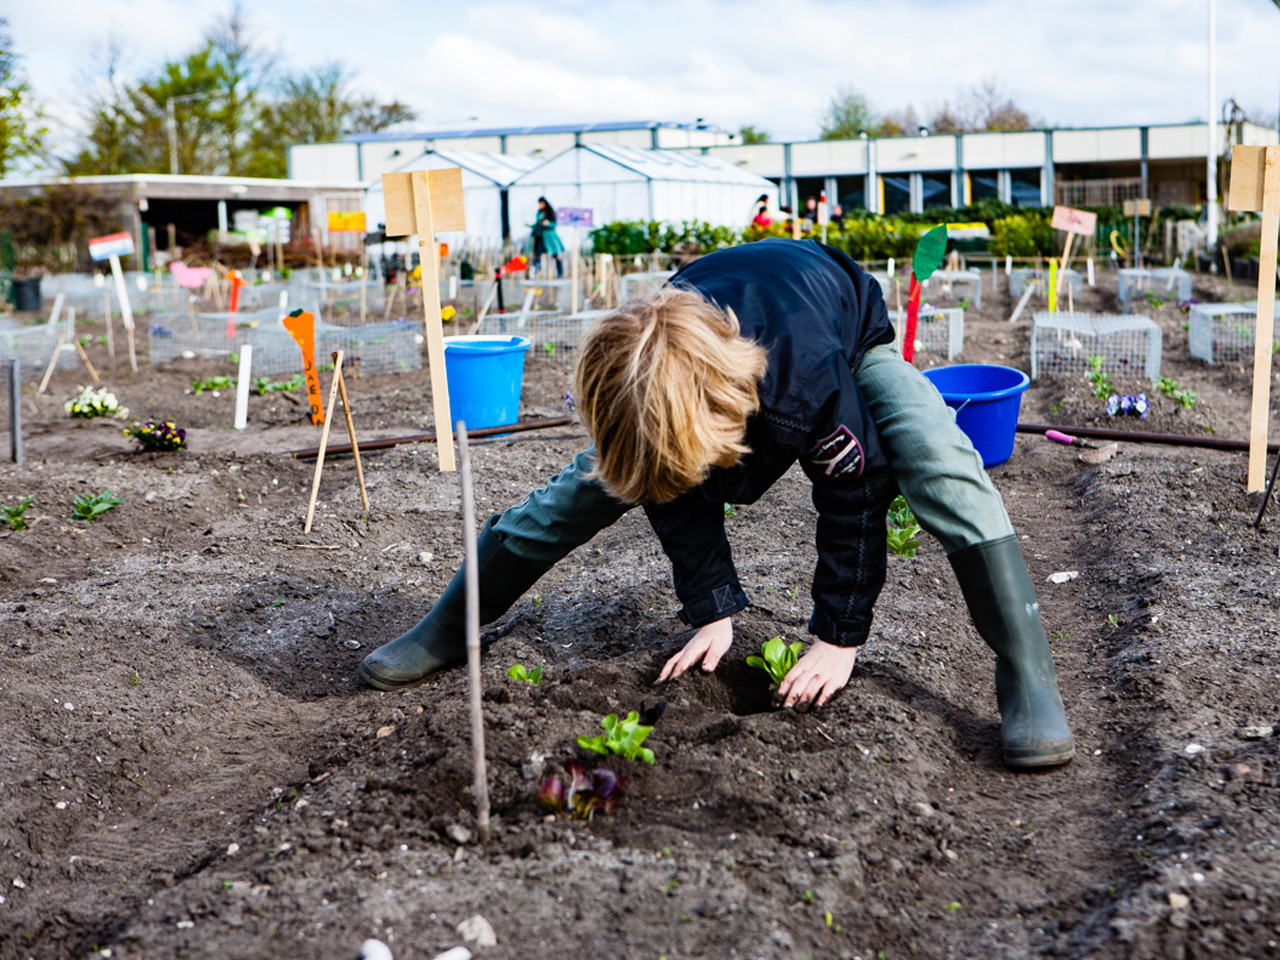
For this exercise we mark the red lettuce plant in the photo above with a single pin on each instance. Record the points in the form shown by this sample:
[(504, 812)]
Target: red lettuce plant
[(585, 793)]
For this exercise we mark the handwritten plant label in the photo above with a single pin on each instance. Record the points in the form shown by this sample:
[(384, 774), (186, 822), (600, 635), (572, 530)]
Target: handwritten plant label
[(302, 327)]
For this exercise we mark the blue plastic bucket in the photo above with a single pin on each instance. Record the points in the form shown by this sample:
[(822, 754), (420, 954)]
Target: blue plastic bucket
[(986, 399), (485, 375)]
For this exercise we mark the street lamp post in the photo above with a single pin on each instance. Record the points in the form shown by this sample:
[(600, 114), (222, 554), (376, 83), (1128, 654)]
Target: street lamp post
[(1211, 165)]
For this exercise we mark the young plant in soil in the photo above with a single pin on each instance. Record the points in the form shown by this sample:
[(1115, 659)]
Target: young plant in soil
[(776, 658), (1101, 381), (519, 672), (162, 436), (213, 384), (623, 737), (93, 403), (88, 508), (264, 385), (13, 515), (1175, 391), (901, 536), (585, 793)]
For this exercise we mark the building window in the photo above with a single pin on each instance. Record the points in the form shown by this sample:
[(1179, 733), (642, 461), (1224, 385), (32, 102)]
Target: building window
[(935, 189), (1024, 187), (851, 193), (895, 194), (983, 185)]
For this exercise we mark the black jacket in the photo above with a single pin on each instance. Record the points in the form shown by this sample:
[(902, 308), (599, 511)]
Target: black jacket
[(818, 313)]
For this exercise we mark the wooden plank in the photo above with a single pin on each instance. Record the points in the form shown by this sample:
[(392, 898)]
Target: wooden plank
[(425, 228), (1248, 168), (1262, 334), (447, 213)]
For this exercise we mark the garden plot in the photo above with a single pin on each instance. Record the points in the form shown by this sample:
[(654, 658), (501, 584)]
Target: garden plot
[(191, 768)]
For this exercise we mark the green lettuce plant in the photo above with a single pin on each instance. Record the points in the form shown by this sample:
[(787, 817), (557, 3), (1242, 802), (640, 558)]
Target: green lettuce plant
[(88, 508), (777, 658), (623, 737), (520, 672), (903, 529)]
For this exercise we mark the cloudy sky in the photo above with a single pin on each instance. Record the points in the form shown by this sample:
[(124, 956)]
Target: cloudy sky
[(769, 63)]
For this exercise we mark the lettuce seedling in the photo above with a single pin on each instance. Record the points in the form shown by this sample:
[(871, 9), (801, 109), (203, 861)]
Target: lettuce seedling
[(901, 537), (88, 508), (13, 517), (777, 658), (601, 790), (623, 737), (518, 672)]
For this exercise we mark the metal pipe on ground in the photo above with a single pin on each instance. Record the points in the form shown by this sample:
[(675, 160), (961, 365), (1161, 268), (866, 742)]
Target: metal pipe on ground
[(1134, 436), (388, 442)]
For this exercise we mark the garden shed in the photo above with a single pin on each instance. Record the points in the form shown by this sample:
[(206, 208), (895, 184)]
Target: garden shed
[(631, 183), (485, 178)]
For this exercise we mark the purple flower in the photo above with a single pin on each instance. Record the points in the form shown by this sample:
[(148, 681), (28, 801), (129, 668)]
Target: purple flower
[(1113, 405), (1141, 406)]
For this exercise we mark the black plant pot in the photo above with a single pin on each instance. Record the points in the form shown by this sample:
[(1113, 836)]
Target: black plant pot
[(26, 294)]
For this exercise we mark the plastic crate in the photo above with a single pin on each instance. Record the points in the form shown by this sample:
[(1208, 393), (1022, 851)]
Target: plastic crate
[(1063, 343), (1223, 332)]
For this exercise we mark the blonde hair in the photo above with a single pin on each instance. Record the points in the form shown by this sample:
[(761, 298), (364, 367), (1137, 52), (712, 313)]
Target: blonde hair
[(665, 386)]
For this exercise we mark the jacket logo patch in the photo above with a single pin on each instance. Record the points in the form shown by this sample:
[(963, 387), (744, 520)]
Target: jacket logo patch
[(839, 455), (723, 597)]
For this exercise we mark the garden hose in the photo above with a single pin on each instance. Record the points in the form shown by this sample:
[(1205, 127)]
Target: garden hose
[(1118, 245)]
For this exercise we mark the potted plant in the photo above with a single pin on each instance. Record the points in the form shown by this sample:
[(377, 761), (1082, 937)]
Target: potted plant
[(28, 270)]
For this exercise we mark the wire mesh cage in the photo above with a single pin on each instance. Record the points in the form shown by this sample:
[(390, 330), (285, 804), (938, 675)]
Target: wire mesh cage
[(940, 330), (1019, 278), (1064, 343), (634, 286), (1162, 282), (944, 282), (380, 347), (33, 347), (1224, 332), (513, 321), (557, 338)]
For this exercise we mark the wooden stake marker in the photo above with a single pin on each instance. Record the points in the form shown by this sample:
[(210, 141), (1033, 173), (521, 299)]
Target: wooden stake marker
[(338, 384), (1255, 186), (423, 202), (473, 634), (1073, 222)]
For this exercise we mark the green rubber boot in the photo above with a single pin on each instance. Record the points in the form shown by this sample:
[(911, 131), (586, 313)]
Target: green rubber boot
[(996, 586), (439, 640)]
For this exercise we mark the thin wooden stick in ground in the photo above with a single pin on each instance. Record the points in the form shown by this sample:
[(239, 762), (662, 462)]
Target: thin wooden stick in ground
[(324, 439), (53, 362), (85, 359), (351, 427), (471, 564)]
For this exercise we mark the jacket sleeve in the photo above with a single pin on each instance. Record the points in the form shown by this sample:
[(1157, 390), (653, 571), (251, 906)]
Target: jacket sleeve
[(691, 530)]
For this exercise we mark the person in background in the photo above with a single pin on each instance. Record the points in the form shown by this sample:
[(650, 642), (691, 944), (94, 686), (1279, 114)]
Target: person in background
[(760, 211), (545, 241)]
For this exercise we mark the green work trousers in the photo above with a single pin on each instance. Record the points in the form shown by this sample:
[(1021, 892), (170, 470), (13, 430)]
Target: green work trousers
[(935, 466)]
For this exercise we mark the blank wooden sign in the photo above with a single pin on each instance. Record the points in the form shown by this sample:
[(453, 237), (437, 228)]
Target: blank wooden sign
[(446, 202), (1255, 186)]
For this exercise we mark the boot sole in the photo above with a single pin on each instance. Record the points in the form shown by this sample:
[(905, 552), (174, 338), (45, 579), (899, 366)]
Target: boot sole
[(1040, 761), (385, 685)]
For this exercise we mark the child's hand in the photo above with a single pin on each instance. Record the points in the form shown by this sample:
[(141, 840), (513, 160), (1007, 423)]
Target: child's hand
[(709, 644), (823, 670)]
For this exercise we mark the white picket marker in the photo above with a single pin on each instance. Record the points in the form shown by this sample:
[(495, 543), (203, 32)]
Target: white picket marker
[(1008, 265), (1089, 263), (889, 268), (284, 303), (242, 386), (453, 286)]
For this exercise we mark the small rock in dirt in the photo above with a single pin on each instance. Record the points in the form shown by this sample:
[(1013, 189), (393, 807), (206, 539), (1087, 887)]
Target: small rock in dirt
[(1260, 732), (1191, 749), (458, 834), (793, 774), (1062, 576), (68, 706), (425, 558), (374, 950), (351, 644), (384, 732), (895, 865), (233, 849), (17, 882), (48, 579), (923, 809), (1179, 901), (479, 931), (457, 953)]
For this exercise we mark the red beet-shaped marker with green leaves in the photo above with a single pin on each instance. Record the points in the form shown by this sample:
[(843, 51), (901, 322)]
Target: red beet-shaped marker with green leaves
[(928, 257)]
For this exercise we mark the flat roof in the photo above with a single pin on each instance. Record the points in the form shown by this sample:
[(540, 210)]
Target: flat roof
[(518, 131), (178, 180)]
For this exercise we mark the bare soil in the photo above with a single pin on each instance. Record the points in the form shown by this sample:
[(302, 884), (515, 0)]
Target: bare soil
[(190, 767)]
